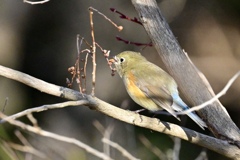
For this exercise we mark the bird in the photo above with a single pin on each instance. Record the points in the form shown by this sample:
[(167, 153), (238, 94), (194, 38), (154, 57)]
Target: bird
[(150, 86)]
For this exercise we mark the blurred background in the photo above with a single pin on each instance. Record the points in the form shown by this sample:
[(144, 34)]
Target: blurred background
[(40, 40)]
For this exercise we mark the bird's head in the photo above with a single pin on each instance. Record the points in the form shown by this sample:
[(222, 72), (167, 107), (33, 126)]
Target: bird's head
[(127, 60)]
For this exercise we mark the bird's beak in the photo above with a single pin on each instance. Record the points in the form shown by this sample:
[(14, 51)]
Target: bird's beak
[(114, 60)]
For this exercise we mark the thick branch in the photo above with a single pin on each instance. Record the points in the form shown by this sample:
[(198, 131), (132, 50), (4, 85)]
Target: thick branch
[(211, 143), (190, 80)]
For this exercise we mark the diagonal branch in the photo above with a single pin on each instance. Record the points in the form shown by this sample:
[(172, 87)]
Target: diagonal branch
[(219, 146), (44, 108), (224, 90)]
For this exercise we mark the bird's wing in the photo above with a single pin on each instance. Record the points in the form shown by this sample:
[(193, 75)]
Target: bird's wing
[(160, 96), (155, 88)]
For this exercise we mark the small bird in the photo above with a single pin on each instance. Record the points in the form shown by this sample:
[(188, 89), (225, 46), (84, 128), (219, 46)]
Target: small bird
[(150, 86)]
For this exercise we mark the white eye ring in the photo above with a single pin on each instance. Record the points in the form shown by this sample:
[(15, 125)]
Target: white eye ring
[(122, 59)]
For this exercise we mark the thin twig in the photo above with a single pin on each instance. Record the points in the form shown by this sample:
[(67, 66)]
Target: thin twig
[(99, 127), (26, 149), (76, 70), (77, 65), (106, 133), (85, 41), (5, 104), (134, 43), (93, 53), (202, 155), (44, 108), (106, 54), (22, 138), (33, 3), (123, 16), (124, 152), (83, 83), (79, 45), (8, 150), (28, 156), (176, 148), (108, 19), (85, 72), (224, 90), (32, 120)]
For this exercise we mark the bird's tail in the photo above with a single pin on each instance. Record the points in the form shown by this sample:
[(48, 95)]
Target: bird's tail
[(179, 105), (197, 120)]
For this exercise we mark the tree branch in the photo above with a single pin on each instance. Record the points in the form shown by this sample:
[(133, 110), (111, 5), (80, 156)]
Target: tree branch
[(190, 80), (44, 108), (221, 93), (219, 146)]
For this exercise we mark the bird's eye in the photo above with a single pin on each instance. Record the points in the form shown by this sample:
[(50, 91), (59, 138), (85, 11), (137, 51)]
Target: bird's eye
[(122, 59)]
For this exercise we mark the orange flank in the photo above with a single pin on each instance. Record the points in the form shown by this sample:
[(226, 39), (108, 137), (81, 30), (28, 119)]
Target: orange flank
[(138, 95), (133, 89)]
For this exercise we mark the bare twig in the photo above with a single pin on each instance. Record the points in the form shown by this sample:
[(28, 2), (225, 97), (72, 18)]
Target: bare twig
[(32, 120), (24, 141), (106, 54), (77, 64), (124, 152), (202, 155), (79, 45), (81, 78), (134, 43), (106, 132), (123, 16), (85, 41), (223, 91), (176, 148), (99, 127), (8, 150), (22, 138), (108, 19), (85, 72), (44, 108), (5, 104), (33, 3), (93, 52), (76, 71), (53, 136), (26, 149)]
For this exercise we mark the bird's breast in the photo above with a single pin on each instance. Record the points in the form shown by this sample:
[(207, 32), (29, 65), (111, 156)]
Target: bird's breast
[(137, 94)]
